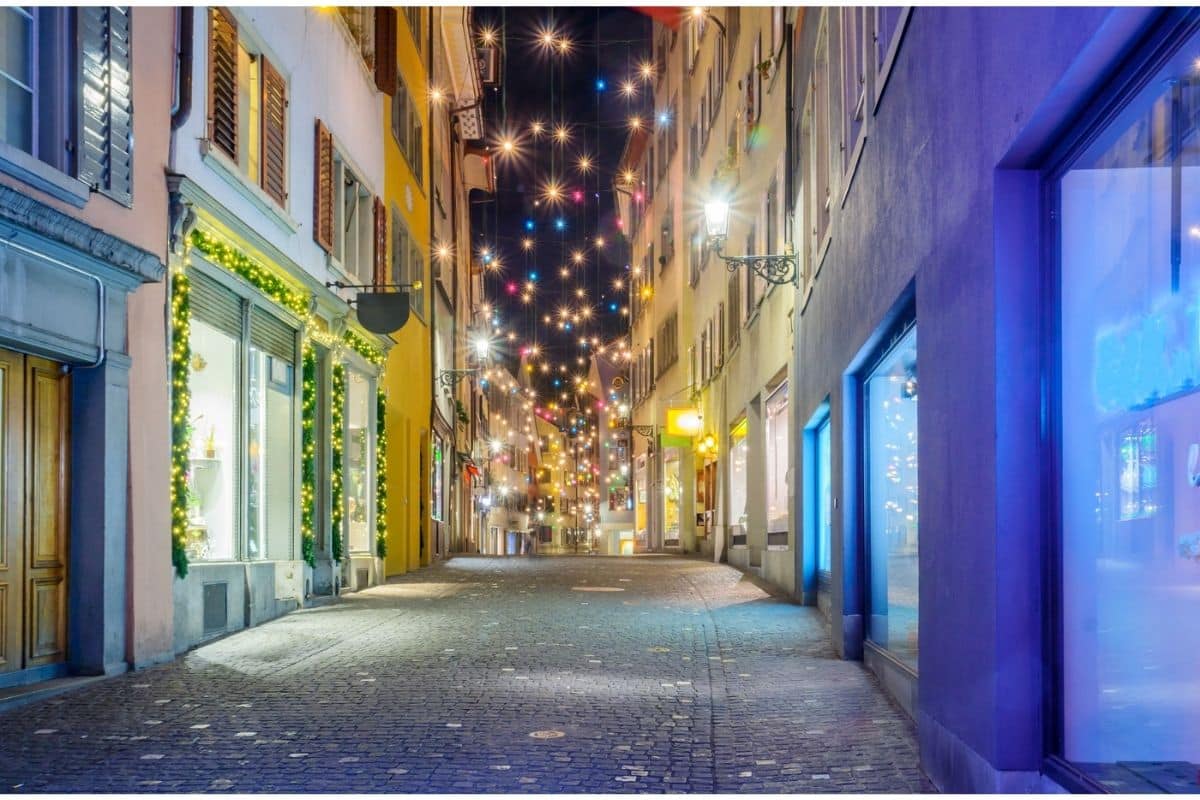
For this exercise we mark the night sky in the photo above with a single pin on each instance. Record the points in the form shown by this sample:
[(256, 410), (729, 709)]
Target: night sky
[(583, 89)]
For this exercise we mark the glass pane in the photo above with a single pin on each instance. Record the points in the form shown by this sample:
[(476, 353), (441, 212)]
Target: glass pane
[(16, 78), (891, 402), (777, 461), (824, 516), (438, 458), (671, 495), (1130, 444), (16, 45), (360, 438), (212, 481), (738, 454), (271, 431)]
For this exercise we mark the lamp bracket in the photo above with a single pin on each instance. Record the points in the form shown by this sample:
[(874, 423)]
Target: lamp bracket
[(774, 269), (399, 287), (449, 377)]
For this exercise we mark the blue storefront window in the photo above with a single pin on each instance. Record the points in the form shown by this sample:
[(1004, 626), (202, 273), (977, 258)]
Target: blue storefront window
[(824, 504), (1130, 431), (892, 531)]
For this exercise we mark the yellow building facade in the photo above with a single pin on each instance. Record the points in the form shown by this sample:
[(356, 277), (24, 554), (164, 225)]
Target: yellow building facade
[(408, 374)]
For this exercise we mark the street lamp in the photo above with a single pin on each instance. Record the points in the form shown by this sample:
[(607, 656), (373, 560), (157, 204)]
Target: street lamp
[(775, 269)]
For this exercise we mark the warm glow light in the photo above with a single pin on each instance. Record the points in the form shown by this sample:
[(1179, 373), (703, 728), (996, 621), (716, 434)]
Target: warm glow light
[(562, 134), (527, 244), (599, 241), (436, 95), (577, 256), (635, 123), (628, 176), (584, 163), (552, 192), (537, 128), (646, 70), (629, 88)]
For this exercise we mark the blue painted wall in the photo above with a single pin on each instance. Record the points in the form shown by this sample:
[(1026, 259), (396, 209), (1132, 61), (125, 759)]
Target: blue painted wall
[(945, 202)]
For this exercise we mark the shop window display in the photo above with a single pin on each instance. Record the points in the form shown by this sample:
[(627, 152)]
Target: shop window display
[(777, 462), (739, 451), (360, 438), (270, 490), (212, 500), (1130, 433), (671, 496), (892, 520), (824, 505)]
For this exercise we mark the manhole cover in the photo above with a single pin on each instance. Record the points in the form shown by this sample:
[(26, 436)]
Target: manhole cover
[(596, 589), (547, 735)]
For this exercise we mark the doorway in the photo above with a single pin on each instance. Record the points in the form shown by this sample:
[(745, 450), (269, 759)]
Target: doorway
[(34, 408)]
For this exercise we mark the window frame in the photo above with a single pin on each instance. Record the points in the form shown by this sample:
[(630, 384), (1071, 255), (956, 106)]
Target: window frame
[(883, 66), (1171, 31)]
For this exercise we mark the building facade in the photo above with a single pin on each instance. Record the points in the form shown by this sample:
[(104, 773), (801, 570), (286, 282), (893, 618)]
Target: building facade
[(83, 353), (277, 388)]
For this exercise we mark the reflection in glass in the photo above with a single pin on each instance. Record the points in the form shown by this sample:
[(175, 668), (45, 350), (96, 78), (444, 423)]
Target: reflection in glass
[(738, 453), (824, 507), (777, 460), (212, 444), (360, 438), (270, 447), (671, 496), (891, 403), (1130, 300)]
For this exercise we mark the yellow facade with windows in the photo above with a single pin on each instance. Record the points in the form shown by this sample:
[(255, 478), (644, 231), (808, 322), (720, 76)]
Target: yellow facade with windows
[(408, 374)]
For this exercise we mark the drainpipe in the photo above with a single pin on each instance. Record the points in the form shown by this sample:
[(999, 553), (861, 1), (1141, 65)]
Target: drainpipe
[(181, 109), (433, 384)]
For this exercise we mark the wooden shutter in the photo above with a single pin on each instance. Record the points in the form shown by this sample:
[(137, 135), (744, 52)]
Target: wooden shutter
[(381, 240), (274, 133), (720, 335), (223, 81), (385, 49), (323, 188), (106, 103)]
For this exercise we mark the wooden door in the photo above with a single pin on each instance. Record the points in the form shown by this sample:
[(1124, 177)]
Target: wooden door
[(33, 513), (46, 395), (12, 462)]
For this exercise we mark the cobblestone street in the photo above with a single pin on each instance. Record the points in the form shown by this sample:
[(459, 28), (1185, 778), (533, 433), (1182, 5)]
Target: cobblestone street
[(485, 674)]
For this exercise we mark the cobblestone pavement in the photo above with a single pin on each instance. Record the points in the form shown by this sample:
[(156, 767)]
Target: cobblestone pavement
[(486, 675)]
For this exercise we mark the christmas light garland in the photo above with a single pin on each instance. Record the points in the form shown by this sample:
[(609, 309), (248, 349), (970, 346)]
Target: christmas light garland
[(380, 474), (181, 356), (338, 409), (308, 454), (356, 342), (255, 274)]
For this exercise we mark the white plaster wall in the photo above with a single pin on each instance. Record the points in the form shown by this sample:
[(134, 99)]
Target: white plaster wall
[(327, 79)]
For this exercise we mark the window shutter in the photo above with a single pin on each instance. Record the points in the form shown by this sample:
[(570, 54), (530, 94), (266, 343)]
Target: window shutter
[(274, 133), (214, 304), (385, 49), (381, 240), (272, 335), (223, 81), (106, 103), (323, 188)]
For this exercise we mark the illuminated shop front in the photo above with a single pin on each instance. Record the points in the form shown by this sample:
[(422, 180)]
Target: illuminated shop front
[(739, 451), (890, 400), (672, 498), (1129, 294), (242, 430), (778, 462)]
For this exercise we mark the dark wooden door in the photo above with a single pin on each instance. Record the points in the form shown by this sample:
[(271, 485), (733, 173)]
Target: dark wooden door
[(12, 494)]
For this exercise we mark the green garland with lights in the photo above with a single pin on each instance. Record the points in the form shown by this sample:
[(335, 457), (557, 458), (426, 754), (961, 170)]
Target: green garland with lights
[(181, 356), (380, 474), (308, 455), (258, 276), (338, 407), (359, 344)]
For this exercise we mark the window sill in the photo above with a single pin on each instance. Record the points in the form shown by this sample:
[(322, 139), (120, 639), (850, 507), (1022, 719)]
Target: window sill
[(229, 171), (778, 548), (42, 176)]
